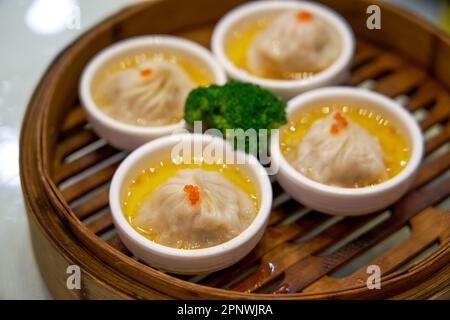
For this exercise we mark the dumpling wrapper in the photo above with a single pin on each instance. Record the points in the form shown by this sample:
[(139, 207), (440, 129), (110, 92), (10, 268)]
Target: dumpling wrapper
[(152, 94), (348, 157), (289, 46), (222, 212)]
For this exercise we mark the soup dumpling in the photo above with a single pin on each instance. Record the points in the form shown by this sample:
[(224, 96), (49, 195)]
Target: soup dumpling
[(338, 152), (151, 94), (196, 208), (294, 43)]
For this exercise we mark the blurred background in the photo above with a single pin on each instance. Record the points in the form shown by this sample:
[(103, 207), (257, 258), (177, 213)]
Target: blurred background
[(32, 32)]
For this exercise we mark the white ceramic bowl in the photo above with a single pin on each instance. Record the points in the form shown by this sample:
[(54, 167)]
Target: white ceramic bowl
[(350, 201), (179, 260), (333, 75), (126, 136)]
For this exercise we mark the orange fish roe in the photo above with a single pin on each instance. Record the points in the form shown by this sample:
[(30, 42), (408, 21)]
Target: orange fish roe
[(341, 123), (334, 129), (146, 72), (341, 119), (193, 193), (304, 15)]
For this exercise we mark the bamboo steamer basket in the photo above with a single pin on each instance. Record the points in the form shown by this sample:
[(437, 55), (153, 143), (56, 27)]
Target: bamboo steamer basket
[(66, 168)]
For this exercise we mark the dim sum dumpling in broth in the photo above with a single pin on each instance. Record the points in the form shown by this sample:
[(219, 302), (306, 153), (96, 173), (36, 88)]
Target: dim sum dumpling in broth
[(196, 208), (293, 44), (151, 94), (338, 152)]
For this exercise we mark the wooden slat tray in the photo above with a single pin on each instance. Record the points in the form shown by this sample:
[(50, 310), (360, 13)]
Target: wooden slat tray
[(66, 169)]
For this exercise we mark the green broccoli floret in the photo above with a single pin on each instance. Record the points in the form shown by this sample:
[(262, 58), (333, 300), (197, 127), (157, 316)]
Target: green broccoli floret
[(235, 105)]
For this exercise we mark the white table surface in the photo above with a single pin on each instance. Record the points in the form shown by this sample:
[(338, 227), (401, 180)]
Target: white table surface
[(32, 32)]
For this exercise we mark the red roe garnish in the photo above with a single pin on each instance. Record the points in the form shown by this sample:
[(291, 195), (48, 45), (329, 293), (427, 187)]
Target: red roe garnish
[(193, 193), (304, 16), (146, 72), (339, 123), (341, 119), (334, 129)]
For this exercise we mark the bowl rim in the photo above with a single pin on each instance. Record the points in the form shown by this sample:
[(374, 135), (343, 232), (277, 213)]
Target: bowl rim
[(389, 106), (241, 12), (258, 223), (133, 43)]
